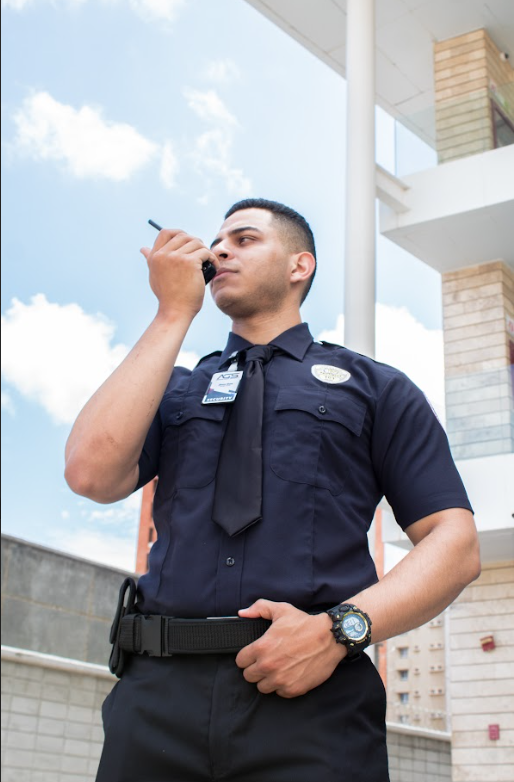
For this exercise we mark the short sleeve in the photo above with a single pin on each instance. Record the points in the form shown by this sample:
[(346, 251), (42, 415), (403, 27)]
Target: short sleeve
[(411, 455), (149, 459)]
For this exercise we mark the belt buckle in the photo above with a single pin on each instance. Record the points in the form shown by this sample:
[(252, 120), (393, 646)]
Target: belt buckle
[(153, 638)]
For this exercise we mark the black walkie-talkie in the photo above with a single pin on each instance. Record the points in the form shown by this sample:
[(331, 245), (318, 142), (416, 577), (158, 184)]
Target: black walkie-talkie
[(208, 268)]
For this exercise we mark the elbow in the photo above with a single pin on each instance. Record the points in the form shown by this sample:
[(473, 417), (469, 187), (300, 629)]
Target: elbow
[(473, 565), (98, 483), (78, 479)]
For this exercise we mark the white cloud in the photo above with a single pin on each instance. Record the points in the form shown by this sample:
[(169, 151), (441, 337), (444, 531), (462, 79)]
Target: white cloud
[(169, 166), (212, 150), (222, 71), (57, 355), (19, 5), (8, 404), (188, 359), (209, 107), (403, 342), (98, 546), (157, 10), (105, 535), (87, 144), (148, 10), (212, 156)]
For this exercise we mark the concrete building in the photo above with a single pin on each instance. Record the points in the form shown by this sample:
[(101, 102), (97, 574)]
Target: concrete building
[(443, 71)]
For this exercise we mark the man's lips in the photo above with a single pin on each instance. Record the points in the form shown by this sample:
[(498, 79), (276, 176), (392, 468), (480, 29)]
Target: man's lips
[(221, 272)]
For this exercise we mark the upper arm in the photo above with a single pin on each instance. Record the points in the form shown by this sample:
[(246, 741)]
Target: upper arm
[(459, 520), (411, 456)]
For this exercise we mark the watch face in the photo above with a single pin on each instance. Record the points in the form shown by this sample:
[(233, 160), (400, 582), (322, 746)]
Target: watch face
[(354, 626)]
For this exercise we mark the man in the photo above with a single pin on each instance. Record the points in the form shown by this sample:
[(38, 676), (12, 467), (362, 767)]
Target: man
[(302, 702)]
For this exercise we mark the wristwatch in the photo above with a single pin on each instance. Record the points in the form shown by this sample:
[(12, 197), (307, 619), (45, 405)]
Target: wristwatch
[(351, 627)]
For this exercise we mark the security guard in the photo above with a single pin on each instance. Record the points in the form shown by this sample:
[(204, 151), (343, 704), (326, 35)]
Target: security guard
[(243, 653)]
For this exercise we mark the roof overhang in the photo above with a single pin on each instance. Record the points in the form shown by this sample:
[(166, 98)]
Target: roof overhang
[(405, 33)]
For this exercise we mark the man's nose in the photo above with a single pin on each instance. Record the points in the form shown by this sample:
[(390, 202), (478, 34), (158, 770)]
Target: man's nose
[(222, 251)]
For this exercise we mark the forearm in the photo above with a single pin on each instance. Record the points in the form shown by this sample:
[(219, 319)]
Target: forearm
[(426, 581), (105, 443)]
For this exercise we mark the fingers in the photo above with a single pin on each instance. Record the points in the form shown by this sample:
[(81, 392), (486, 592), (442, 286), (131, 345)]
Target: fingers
[(174, 240), (267, 609)]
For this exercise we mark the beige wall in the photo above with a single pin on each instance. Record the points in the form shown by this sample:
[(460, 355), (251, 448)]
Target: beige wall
[(482, 683), (469, 73), (425, 684), (479, 393)]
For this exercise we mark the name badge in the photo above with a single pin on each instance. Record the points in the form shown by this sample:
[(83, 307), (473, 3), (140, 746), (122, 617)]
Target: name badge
[(223, 387)]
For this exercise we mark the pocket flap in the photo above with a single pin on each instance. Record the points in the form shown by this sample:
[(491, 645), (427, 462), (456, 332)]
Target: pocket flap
[(340, 408), (175, 411)]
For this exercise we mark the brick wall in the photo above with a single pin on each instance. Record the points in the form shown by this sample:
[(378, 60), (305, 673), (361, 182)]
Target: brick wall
[(469, 73), (479, 393), (482, 683), (51, 723)]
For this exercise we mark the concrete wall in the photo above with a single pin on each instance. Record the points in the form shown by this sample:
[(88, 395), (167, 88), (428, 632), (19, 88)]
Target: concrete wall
[(482, 682), (469, 74), (56, 603), (51, 721), (416, 756), (479, 392)]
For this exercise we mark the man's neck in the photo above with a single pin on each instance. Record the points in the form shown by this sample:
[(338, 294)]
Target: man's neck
[(262, 329)]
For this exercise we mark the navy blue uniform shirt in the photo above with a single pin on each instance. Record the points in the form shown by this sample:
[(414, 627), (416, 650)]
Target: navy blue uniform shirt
[(331, 451)]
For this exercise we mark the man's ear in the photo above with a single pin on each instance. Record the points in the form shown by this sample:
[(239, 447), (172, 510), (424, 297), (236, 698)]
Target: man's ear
[(302, 266)]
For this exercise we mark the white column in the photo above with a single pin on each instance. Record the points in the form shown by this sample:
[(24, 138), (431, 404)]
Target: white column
[(359, 299)]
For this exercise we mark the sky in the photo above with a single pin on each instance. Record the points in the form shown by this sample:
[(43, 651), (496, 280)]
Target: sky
[(117, 111)]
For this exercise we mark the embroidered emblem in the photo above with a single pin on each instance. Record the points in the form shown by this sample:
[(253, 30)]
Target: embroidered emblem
[(328, 374)]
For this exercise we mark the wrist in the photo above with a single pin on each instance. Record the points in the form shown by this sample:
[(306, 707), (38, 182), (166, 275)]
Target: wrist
[(171, 317), (351, 627)]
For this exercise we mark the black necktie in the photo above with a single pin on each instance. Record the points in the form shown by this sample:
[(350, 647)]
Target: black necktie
[(238, 492)]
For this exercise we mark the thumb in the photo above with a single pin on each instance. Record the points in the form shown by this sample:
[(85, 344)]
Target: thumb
[(267, 609), (145, 251)]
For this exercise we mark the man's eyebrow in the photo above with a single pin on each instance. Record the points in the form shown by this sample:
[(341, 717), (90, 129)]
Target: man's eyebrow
[(236, 231)]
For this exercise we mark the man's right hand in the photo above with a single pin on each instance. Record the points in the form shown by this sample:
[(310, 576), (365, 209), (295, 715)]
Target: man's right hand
[(175, 265)]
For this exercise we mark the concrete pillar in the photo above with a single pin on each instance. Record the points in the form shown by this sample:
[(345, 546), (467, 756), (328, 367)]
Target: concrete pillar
[(359, 304)]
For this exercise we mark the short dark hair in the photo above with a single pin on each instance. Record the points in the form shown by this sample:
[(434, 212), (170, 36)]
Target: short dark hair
[(296, 229)]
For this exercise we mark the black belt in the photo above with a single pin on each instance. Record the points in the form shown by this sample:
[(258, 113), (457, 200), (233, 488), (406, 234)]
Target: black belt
[(163, 636)]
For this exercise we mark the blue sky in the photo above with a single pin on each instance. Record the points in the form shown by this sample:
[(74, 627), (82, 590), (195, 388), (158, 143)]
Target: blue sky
[(115, 112)]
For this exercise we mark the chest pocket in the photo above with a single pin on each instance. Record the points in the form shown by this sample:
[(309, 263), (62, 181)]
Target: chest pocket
[(193, 433), (314, 436)]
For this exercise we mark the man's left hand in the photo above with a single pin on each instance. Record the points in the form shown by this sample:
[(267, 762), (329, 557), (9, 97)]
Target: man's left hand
[(297, 653)]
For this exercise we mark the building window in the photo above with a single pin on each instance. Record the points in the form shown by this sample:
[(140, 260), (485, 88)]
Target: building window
[(151, 534), (404, 719), (404, 697), (503, 129), (404, 675), (403, 651)]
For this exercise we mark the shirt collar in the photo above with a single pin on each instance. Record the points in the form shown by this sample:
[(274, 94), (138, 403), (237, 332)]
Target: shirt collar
[(295, 342)]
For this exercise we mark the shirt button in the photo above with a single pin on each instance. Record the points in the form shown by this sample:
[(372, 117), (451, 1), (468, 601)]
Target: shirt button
[(179, 416), (230, 561), (322, 409)]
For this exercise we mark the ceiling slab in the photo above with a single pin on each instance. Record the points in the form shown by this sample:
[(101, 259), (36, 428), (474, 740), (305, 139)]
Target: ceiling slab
[(405, 33)]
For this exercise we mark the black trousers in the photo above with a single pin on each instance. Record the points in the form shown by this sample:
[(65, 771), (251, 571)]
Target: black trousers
[(196, 719)]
